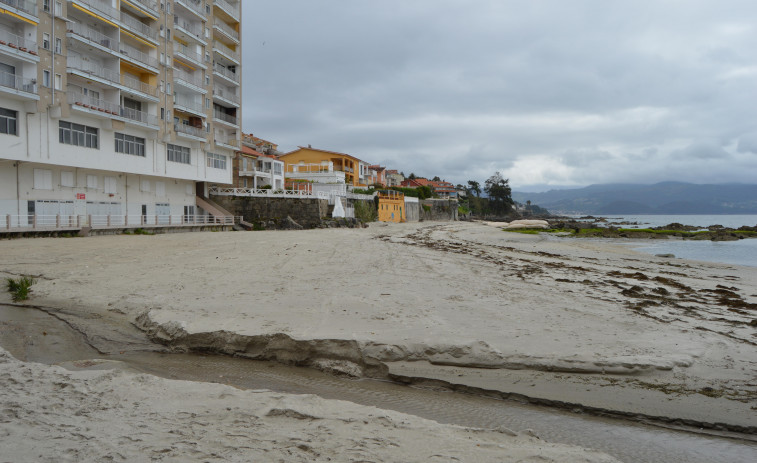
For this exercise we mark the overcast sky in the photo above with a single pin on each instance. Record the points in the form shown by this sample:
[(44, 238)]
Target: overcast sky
[(549, 92)]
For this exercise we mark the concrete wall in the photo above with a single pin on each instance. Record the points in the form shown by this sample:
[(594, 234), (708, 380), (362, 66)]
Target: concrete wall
[(412, 211), (438, 209), (306, 212)]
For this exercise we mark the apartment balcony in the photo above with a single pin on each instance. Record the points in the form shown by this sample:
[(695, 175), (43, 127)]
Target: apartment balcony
[(17, 47), (95, 72), (23, 8), (231, 9), (148, 8), (226, 52), (226, 96), (100, 9), (189, 81), (227, 31), (184, 53), (192, 6), (18, 86), (224, 118), (139, 58), (138, 28), (226, 141), (93, 38), (189, 105), (188, 30), (101, 108), (193, 133), (231, 77)]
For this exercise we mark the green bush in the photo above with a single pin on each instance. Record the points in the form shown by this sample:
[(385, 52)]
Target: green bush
[(19, 288), (365, 211), (426, 207)]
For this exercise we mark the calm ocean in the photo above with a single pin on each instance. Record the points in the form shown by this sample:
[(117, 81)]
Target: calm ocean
[(742, 252)]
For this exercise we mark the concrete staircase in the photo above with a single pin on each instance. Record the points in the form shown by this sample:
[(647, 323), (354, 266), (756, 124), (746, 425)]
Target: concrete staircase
[(217, 211)]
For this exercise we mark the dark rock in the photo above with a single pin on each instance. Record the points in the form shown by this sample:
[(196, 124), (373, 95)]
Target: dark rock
[(669, 256)]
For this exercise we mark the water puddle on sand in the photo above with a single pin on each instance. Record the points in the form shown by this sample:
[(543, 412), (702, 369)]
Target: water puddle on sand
[(22, 334)]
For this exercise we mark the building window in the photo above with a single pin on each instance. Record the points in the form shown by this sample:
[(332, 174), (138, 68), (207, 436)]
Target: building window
[(70, 133), (43, 179), (217, 161), (110, 185), (92, 181), (58, 46), (58, 9), (178, 153), (277, 168), (129, 144), (58, 81), (67, 178), (8, 121), (46, 78), (46, 41), (145, 186), (160, 189), (46, 5)]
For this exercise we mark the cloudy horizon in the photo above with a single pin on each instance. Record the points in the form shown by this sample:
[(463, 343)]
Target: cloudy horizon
[(550, 93)]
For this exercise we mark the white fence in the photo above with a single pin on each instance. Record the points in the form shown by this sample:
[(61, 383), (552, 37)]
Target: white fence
[(73, 222)]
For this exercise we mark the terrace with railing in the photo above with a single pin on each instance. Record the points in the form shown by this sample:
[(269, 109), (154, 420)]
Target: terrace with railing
[(192, 29), (221, 116), (25, 6), (17, 43), (225, 29), (191, 79), (195, 6), (230, 9), (187, 53), (96, 71), (19, 83), (226, 94), (224, 50), (150, 5), (138, 27), (189, 104), (190, 130), (109, 109), (103, 9), (220, 70)]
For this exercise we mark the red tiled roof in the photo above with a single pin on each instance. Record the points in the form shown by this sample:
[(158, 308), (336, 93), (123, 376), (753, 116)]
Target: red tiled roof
[(249, 151), (322, 151)]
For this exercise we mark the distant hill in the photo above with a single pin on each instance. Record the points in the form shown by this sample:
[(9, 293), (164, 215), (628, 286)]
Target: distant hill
[(660, 198)]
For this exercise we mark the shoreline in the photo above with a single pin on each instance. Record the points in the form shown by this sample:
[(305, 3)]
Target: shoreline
[(453, 294)]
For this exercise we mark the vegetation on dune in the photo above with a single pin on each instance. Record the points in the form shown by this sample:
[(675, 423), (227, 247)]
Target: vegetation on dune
[(19, 288)]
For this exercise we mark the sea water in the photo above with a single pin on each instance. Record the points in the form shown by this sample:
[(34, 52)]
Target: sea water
[(742, 252)]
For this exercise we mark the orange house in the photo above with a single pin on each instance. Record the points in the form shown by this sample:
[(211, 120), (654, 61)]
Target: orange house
[(355, 170), (391, 206)]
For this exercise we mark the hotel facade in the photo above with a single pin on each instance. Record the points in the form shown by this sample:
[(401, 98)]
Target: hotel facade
[(116, 107)]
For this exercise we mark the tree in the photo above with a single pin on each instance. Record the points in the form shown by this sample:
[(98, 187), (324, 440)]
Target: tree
[(474, 187), (412, 176), (436, 179), (500, 194)]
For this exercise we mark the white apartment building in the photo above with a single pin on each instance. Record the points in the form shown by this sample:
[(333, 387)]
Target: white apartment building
[(123, 107)]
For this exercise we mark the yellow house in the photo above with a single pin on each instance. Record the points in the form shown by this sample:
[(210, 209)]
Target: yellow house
[(391, 206), (355, 170)]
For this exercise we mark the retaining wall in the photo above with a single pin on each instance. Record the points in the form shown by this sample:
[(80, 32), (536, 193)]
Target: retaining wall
[(307, 212)]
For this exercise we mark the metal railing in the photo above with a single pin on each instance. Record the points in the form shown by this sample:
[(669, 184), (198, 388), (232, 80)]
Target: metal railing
[(179, 74), (18, 82), (226, 140), (222, 48), (183, 50), (73, 222), (23, 5), (114, 109), (267, 193), (192, 5), (225, 118), (19, 43), (137, 26), (226, 73), (133, 53), (188, 27), (190, 130), (223, 27), (147, 4), (192, 105), (230, 9), (226, 94), (95, 70), (100, 7)]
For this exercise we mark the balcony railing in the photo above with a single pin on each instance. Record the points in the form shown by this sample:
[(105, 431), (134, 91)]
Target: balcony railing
[(138, 27), (192, 5), (189, 130), (82, 32), (19, 83), (72, 222), (18, 43), (114, 109), (183, 50), (194, 106), (133, 53), (222, 48), (225, 94), (229, 140), (223, 27), (188, 27), (231, 10), (178, 74), (150, 5), (225, 117), (226, 73), (97, 71), (23, 5), (102, 8)]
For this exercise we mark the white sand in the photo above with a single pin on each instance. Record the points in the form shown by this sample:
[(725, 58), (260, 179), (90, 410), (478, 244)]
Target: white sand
[(550, 314)]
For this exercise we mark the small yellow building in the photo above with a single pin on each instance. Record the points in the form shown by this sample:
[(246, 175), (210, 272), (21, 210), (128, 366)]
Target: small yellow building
[(391, 206), (355, 170)]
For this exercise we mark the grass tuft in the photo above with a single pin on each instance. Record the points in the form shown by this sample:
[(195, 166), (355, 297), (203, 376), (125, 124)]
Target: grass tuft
[(19, 288)]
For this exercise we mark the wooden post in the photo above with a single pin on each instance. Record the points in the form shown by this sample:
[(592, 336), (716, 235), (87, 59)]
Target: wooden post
[(78, 221), (34, 221), (109, 220), (89, 220), (170, 217), (8, 221), (57, 220)]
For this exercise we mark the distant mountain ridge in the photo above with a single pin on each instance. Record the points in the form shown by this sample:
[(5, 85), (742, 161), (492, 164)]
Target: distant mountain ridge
[(660, 198)]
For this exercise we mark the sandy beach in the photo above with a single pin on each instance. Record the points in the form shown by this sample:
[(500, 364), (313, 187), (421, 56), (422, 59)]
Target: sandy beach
[(580, 324)]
